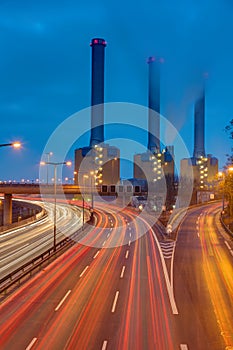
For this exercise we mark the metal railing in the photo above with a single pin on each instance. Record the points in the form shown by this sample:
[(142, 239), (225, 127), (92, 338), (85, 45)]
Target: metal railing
[(17, 276), (225, 226)]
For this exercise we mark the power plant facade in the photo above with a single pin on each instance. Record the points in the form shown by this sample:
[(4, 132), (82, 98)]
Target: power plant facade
[(155, 163), (204, 167), (99, 161)]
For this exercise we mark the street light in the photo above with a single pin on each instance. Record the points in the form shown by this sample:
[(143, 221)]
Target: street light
[(55, 196), (15, 144)]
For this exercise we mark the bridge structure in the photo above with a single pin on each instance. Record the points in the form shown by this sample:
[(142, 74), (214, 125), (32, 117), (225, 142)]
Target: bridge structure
[(8, 190)]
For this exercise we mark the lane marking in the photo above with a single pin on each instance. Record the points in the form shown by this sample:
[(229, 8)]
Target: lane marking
[(183, 347), (62, 301), (129, 243), (108, 235), (15, 252), (122, 272), (169, 284), (104, 243), (96, 254), (228, 245), (115, 301), (104, 346), (126, 254), (130, 234), (84, 271), (31, 344)]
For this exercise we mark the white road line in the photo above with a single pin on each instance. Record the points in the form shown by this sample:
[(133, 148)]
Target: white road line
[(183, 347), (96, 254), (84, 271), (129, 243), (126, 254), (228, 245), (122, 272), (115, 301), (15, 251), (130, 234), (103, 243), (168, 283), (104, 346), (108, 235), (31, 344), (62, 301)]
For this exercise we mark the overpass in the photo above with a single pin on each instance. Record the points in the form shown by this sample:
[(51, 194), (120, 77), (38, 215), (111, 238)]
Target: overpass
[(8, 190), (49, 189)]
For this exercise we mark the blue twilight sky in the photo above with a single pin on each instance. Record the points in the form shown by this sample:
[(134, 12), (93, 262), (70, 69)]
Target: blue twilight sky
[(45, 66)]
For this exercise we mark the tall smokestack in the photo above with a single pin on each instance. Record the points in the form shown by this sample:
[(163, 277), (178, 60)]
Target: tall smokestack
[(97, 91), (199, 127), (154, 106)]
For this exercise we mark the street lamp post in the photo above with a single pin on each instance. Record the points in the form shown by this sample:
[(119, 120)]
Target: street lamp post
[(93, 176), (48, 154), (84, 177), (55, 197), (221, 178)]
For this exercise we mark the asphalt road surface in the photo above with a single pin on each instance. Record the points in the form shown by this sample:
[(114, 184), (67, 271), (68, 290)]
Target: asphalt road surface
[(121, 290)]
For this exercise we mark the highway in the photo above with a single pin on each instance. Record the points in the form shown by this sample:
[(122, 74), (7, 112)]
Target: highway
[(20, 245), (148, 293), (203, 281), (94, 298)]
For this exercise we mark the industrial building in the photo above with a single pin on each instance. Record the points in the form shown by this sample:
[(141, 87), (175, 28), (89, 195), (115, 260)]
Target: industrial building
[(204, 167), (99, 161), (156, 165)]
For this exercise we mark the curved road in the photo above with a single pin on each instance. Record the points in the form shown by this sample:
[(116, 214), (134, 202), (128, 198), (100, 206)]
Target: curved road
[(119, 291), (21, 245), (95, 298), (203, 281)]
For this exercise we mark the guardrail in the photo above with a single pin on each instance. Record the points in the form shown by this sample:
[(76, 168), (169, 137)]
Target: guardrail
[(225, 226), (28, 268)]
